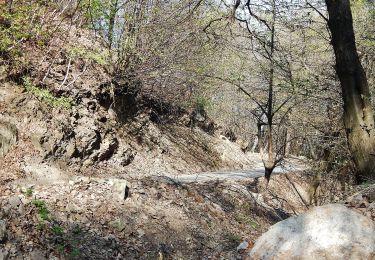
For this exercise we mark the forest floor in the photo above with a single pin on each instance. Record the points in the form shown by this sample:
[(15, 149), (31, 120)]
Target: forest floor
[(82, 217)]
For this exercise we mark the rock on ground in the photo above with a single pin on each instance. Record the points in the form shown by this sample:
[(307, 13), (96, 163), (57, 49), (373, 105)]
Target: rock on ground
[(8, 137), (3, 231), (327, 232), (4, 254)]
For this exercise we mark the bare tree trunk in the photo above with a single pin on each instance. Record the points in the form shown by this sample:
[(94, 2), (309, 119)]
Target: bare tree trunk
[(312, 152), (358, 114), (256, 141), (269, 163)]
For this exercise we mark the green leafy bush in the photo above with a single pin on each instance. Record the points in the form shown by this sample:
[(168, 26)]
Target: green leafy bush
[(57, 230), (19, 24), (29, 192), (46, 96), (67, 242), (248, 221), (84, 53), (42, 209)]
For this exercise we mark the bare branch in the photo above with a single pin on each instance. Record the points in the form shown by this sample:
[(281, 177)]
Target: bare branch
[(67, 73), (257, 17), (316, 10)]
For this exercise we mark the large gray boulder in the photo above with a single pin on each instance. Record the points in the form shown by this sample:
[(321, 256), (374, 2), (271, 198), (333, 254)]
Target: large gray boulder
[(327, 232)]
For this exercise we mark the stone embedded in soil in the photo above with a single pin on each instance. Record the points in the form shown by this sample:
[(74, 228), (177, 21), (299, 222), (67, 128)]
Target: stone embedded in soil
[(3, 231), (37, 255), (72, 208), (118, 224), (243, 246), (125, 155), (8, 137), (120, 188), (4, 254), (14, 201)]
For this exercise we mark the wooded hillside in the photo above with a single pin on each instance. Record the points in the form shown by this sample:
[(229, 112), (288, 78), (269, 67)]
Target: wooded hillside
[(230, 115)]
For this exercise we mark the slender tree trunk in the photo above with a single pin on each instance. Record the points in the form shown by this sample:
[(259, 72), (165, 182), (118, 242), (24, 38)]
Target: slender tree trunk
[(358, 114), (269, 164), (286, 142), (111, 22), (258, 137)]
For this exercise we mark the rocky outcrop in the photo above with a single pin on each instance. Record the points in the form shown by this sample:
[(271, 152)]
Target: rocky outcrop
[(327, 232), (86, 135), (8, 137)]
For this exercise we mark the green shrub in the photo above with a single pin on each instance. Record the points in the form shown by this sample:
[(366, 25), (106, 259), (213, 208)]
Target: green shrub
[(247, 220), (40, 226), (102, 58), (29, 192), (46, 96), (202, 102), (57, 230), (20, 24), (60, 248), (234, 238), (75, 252), (67, 242), (93, 11), (42, 209)]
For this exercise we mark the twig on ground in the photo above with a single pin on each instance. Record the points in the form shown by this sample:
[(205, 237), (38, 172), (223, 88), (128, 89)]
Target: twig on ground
[(67, 73)]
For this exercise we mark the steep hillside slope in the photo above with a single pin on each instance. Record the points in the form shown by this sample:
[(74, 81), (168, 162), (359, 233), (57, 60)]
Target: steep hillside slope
[(82, 163)]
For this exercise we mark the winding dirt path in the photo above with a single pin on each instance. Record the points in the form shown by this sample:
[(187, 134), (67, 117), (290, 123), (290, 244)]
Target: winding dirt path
[(289, 165)]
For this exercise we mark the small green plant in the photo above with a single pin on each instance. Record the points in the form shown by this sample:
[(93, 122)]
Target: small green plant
[(205, 147), (46, 96), (75, 252), (67, 242), (29, 192), (22, 22), (247, 206), (247, 220), (40, 226), (210, 224), (76, 230), (16, 29), (60, 248), (365, 183), (92, 10), (42, 209), (57, 230), (202, 103), (84, 53), (235, 238)]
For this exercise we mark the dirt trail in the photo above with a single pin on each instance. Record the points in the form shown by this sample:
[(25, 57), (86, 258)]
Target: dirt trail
[(290, 165)]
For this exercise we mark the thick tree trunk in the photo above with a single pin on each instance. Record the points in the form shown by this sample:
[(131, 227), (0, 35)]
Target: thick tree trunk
[(358, 114)]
